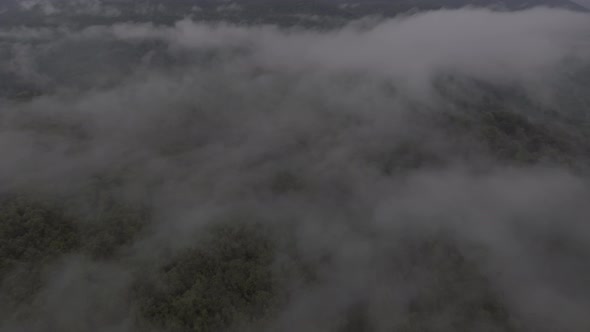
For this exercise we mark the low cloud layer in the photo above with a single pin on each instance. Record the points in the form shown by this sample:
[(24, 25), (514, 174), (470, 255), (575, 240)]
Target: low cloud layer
[(363, 143)]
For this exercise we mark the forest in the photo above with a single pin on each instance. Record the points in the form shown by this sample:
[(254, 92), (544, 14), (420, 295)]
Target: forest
[(427, 172)]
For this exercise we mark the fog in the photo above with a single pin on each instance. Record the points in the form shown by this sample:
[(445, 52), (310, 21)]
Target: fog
[(584, 3), (364, 151)]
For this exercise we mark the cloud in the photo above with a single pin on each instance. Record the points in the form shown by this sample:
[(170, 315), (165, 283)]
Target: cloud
[(46, 7), (584, 3), (69, 7), (522, 47), (337, 137)]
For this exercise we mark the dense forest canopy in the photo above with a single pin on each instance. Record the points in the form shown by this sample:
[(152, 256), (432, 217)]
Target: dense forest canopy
[(294, 166)]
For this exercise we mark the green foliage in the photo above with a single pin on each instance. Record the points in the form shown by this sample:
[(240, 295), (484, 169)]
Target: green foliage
[(32, 235), (513, 138), (33, 232), (115, 226), (452, 285), (408, 156), (231, 279), (227, 280)]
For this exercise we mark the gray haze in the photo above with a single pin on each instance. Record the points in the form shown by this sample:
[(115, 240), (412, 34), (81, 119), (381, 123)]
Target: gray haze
[(584, 3), (199, 119)]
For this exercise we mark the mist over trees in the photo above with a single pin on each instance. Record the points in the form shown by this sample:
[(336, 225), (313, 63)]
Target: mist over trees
[(304, 171)]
